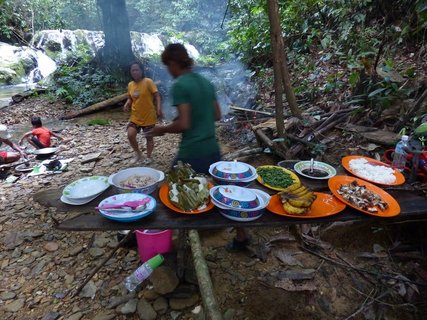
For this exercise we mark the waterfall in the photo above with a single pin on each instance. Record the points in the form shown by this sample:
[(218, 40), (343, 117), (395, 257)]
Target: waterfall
[(45, 64)]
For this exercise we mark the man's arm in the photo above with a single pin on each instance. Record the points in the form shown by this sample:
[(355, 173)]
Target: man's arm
[(24, 136), (217, 111), (180, 124), (14, 146), (158, 103), (53, 134)]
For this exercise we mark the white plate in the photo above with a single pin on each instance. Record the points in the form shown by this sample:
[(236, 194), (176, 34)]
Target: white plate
[(299, 167), (77, 202), (263, 198), (86, 188)]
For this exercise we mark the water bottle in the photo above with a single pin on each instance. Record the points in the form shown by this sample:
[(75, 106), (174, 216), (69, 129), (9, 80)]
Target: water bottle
[(399, 157), (143, 272)]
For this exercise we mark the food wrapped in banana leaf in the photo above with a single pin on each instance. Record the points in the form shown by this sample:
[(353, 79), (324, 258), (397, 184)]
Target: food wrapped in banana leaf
[(188, 190)]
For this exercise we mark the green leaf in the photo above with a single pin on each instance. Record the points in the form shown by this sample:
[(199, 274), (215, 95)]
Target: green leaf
[(376, 92)]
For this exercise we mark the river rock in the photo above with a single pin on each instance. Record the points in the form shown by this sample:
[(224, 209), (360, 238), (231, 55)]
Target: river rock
[(75, 251), (164, 280), (96, 252), (51, 315), (160, 305), (89, 290), (105, 315), (7, 295), (12, 240), (14, 306), (51, 246), (100, 242), (129, 307), (150, 294), (75, 316), (145, 310), (180, 304)]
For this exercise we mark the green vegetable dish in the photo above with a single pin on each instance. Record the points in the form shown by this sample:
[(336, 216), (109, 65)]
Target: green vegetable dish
[(275, 177), (188, 190)]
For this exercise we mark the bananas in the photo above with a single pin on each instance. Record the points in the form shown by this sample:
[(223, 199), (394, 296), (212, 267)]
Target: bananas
[(298, 200), (292, 187)]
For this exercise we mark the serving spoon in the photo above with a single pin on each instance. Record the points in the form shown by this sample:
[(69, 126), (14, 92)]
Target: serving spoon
[(311, 165), (127, 209), (130, 204)]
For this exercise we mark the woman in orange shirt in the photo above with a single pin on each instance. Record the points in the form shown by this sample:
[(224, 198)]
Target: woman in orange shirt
[(145, 107)]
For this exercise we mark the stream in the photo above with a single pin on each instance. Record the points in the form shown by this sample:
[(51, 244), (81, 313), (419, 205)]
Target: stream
[(6, 92)]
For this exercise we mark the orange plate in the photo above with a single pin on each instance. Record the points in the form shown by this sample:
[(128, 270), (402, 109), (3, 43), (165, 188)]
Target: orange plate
[(325, 205), (164, 197), (400, 178), (393, 209)]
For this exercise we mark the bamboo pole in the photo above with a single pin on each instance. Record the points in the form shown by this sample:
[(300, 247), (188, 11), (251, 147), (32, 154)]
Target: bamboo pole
[(203, 277)]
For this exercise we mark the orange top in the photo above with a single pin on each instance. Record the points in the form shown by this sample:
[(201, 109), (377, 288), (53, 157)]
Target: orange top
[(143, 111), (43, 134)]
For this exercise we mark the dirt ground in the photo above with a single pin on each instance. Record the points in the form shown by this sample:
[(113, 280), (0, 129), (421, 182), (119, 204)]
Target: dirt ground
[(338, 271)]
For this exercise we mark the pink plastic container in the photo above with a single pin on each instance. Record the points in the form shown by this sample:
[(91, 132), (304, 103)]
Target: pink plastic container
[(152, 242)]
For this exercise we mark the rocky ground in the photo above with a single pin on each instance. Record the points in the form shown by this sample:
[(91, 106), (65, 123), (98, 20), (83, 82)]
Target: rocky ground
[(276, 279)]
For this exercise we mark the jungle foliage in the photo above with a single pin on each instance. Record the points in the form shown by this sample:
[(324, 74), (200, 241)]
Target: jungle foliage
[(348, 34)]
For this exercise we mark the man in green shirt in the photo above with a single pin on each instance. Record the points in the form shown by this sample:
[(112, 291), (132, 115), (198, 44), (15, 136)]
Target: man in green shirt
[(198, 109)]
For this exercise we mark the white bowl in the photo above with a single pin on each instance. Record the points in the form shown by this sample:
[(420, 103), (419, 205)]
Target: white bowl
[(86, 188), (117, 178), (245, 214)]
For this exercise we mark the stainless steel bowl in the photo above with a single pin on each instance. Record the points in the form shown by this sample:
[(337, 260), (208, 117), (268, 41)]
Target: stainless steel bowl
[(45, 151)]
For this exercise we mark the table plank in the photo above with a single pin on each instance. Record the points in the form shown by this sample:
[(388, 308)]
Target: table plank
[(413, 207)]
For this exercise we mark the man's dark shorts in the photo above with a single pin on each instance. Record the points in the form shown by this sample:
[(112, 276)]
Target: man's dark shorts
[(139, 128), (37, 142)]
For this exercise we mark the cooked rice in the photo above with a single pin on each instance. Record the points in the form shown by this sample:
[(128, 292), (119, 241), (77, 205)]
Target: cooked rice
[(377, 173)]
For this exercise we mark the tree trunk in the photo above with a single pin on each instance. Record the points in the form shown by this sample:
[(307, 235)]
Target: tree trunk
[(280, 64), (117, 52), (96, 107)]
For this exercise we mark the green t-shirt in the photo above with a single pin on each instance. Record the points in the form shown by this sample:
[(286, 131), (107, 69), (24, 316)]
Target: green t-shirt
[(199, 139)]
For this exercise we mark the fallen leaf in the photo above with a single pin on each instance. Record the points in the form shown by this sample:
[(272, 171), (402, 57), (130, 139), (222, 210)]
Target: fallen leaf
[(289, 285), (288, 258), (304, 274), (370, 255)]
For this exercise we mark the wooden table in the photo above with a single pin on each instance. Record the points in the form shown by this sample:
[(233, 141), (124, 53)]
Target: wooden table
[(85, 218)]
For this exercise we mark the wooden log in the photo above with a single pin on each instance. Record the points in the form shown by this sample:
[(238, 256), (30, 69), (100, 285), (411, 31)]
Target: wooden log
[(203, 277), (21, 96), (275, 147), (250, 110), (96, 107)]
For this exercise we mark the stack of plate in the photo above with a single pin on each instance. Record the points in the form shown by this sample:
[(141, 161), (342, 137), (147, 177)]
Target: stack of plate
[(239, 204), (84, 190), (233, 173)]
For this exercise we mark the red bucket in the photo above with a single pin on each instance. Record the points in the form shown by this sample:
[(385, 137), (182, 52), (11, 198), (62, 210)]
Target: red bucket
[(152, 242)]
